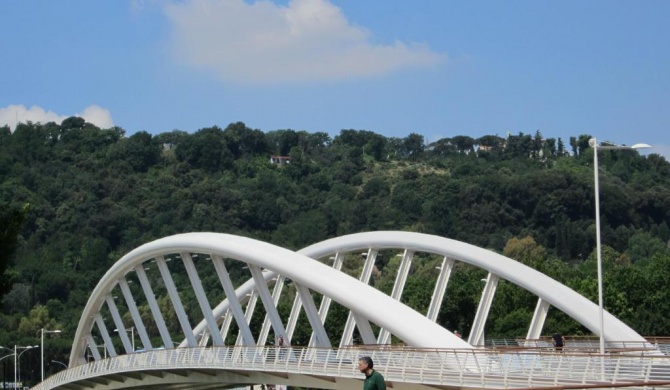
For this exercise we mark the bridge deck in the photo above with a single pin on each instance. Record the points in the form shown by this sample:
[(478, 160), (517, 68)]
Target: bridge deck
[(337, 368)]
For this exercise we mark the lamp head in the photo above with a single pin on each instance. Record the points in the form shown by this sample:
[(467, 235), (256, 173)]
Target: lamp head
[(612, 146)]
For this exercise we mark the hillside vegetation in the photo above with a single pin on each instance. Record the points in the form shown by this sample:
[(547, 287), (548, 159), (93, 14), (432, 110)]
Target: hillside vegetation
[(75, 198)]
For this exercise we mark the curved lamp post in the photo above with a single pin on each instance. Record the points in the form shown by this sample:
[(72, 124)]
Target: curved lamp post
[(17, 356), (43, 331), (61, 363), (594, 144), (6, 356)]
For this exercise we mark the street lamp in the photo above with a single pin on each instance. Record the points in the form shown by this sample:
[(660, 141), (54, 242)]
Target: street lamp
[(3, 358), (43, 331), (16, 359), (61, 363), (6, 356), (594, 144)]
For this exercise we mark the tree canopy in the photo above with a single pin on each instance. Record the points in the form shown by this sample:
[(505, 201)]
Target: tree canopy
[(95, 194)]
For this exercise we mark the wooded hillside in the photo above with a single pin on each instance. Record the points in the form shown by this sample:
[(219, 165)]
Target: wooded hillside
[(86, 196)]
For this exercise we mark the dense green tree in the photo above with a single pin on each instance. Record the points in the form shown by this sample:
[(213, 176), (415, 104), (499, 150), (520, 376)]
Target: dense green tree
[(413, 146), (519, 146), (5, 133), (464, 144), (441, 147), (243, 141), (11, 220), (37, 319), (73, 122), (492, 142), (139, 150), (282, 141), (206, 149), (642, 247), (560, 148)]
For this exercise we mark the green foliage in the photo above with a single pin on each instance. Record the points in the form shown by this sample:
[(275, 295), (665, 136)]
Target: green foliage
[(37, 319), (96, 194), (11, 219)]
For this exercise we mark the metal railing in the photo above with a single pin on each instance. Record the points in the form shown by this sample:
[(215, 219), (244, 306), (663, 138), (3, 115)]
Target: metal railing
[(464, 368), (582, 345)]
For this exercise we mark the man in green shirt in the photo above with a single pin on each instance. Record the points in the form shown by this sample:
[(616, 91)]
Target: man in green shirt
[(373, 379)]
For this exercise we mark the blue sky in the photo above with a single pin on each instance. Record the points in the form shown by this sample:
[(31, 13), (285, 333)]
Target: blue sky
[(439, 68)]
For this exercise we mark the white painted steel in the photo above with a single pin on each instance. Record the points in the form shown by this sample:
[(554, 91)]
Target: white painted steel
[(313, 317), (205, 308), (370, 258), (225, 326), (111, 351), (236, 307), (537, 323), (93, 347), (293, 317), (267, 301), (135, 314), (338, 259), (172, 292), (276, 294), (440, 288), (404, 368), (405, 323), (249, 311), (558, 295), (153, 305), (364, 327), (477, 330), (411, 328), (398, 287)]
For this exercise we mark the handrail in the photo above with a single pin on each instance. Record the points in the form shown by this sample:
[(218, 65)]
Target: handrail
[(434, 367), (582, 344)]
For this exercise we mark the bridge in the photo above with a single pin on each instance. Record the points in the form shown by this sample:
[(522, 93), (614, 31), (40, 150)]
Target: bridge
[(220, 344)]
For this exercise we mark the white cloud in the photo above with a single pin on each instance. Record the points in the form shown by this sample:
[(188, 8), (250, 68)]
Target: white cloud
[(97, 115), (11, 115), (261, 42)]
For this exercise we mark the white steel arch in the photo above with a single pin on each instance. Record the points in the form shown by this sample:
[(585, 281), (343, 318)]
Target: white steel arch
[(400, 320), (270, 264), (549, 291)]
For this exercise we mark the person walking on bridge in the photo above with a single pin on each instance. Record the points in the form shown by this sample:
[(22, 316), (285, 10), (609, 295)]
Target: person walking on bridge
[(281, 344), (559, 341), (373, 379)]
